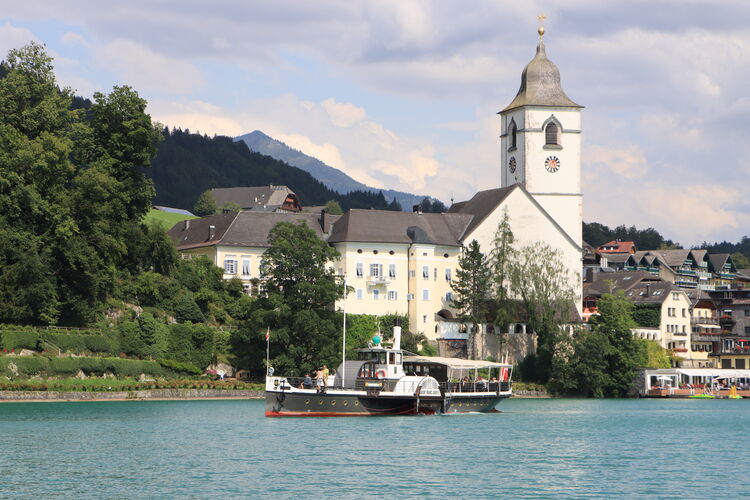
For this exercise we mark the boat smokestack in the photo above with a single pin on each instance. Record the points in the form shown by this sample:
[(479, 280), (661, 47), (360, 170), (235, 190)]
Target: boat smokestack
[(397, 337)]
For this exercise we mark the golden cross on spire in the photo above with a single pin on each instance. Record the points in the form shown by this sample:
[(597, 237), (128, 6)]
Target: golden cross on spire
[(541, 18)]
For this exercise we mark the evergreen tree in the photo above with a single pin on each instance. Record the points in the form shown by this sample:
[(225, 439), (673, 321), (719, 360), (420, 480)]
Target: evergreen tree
[(472, 288), (501, 261), (206, 205)]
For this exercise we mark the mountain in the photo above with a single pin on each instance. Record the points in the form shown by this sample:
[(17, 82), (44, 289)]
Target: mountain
[(187, 164), (331, 177)]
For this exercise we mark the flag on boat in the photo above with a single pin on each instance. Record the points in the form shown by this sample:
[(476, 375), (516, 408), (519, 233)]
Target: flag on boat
[(504, 374), (268, 333)]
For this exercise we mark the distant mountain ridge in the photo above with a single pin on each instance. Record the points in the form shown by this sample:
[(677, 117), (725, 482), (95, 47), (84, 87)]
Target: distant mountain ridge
[(330, 177)]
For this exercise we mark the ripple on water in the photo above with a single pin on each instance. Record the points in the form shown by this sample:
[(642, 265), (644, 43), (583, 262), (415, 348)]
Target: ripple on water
[(533, 449)]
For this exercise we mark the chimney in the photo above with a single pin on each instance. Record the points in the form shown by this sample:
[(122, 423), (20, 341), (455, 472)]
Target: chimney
[(324, 221), (211, 232), (417, 209), (397, 335), (187, 225)]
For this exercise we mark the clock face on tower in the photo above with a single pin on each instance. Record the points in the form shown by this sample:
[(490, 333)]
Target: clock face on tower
[(512, 164), (552, 164)]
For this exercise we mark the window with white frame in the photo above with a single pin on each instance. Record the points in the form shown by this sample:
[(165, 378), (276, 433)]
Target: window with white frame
[(375, 294), (230, 265), (360, 294), (448, 297), (392, 295), (246, 266), (360, 269), (391, 270), (448, 274), (426, 294), (376, 270), (426, 272)]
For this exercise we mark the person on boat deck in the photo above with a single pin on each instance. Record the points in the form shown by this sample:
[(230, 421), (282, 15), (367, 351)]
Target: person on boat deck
[(326, 373), (319, 379), (307, 382)]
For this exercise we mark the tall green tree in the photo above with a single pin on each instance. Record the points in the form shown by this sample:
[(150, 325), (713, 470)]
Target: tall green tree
[(71, 190), (206, 205), (502, 261), (471, 289), (298, 304), (601, 362), (543, 283)]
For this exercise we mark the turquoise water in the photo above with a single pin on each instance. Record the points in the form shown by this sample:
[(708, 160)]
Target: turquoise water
[(223, 449)]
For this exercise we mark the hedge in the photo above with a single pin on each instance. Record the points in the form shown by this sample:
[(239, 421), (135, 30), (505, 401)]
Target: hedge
[(41, 365), (16, 340)]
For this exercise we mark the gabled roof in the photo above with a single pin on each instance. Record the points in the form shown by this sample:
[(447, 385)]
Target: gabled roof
[(616, 246), (252, 198), (609, 282), (482, 204), (384, 226), (672, 258), (719, 259), (242, 229), (617, 257)]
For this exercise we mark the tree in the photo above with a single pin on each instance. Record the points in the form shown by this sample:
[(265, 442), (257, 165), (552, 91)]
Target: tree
[(502, 261), (472, 289), (601, 362), (333, 207), (300, 291), (205, 204), (543, 283), (740, 261)]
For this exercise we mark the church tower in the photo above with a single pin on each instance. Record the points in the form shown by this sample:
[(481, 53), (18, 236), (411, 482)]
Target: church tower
[(541, 143)]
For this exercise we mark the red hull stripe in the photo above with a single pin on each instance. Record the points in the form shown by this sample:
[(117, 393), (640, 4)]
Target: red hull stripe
[(322, 414)]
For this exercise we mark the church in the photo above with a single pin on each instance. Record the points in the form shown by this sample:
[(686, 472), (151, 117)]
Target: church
[(403, 262)]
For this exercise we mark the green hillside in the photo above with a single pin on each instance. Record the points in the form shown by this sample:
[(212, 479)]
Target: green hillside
[(166, 219)]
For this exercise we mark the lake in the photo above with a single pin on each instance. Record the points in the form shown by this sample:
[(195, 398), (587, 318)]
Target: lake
[(535, 448)]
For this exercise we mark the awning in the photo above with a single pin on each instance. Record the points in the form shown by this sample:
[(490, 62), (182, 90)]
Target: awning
[(713, 372), (456, 363)]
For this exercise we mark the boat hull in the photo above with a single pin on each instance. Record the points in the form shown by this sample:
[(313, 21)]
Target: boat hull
[(472, 403), (347, 404)]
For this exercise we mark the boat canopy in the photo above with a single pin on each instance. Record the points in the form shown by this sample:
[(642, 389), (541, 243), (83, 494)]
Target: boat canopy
[(717, 372), (457, 363)]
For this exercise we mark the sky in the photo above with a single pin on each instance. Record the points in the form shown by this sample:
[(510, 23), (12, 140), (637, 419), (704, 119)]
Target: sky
[(403, 94)]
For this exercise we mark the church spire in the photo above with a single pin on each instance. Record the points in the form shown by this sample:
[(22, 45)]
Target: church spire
[(540, 81)]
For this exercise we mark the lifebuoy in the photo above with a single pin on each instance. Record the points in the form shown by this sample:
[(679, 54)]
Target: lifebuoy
[(380, 373)]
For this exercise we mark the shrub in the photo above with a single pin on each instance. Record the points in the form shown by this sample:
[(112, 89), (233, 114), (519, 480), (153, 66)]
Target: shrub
[(18, 340), (177, 366)]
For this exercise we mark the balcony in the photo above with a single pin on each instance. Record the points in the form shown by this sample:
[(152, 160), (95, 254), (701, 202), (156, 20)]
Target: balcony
[(727, 322), (376, 280), (687, 272), (679, 349), (703, 320), (685, 283), (727, 276), (705, 337)]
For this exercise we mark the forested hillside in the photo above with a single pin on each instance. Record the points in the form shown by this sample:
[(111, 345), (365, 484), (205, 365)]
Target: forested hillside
[(596, 234), (187, 164)]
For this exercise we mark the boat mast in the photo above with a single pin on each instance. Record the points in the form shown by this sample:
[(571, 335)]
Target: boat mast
[(343, 343)]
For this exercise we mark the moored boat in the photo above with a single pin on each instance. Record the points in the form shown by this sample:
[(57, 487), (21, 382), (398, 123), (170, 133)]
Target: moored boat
[(389, 381)]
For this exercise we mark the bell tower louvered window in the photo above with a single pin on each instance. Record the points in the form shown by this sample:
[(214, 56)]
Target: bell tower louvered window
[(512, 135), (552, 134)]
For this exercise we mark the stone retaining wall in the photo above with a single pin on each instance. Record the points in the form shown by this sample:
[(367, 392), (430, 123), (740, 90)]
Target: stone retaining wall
[(126, 395)]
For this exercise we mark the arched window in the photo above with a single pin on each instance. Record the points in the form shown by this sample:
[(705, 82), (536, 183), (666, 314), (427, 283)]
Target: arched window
[(512, 133), (552, 134)]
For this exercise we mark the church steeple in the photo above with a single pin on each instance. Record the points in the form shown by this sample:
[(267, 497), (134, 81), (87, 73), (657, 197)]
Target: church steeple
[(540, 83)]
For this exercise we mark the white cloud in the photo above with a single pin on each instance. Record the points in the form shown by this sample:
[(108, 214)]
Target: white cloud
[(141, 67), (69, 38), (343, 114), (627, 162), (13, 37)]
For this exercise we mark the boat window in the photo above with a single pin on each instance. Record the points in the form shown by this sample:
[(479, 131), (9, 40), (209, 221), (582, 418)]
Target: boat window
[(391, 358), (381, 358), (398, 358)]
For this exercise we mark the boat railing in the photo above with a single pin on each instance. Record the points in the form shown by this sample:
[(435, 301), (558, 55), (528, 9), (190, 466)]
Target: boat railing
[(479, 386)]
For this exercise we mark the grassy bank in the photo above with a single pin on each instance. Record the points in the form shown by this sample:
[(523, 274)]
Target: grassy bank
[(123, 384)]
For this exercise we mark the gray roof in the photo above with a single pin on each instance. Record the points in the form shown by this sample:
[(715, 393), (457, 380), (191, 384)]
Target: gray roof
[(672, 258), (617, 257), (718, 260), (540, 84), (244, 229), (252, 198), (650, 292), (481, 205), (609, 282), (383, 226)]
